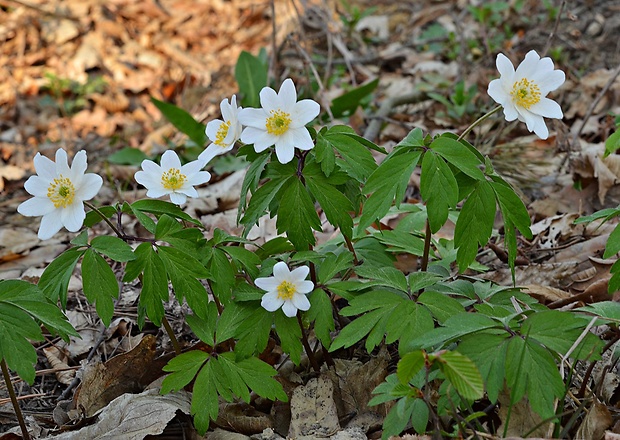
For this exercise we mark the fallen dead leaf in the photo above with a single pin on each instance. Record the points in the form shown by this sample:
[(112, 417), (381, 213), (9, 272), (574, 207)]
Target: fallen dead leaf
[(595, 423), (313, 410)]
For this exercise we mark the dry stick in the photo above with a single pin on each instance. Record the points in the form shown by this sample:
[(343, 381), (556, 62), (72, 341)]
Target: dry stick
[(555, 29), (11, 390), (373, 129), (304, 340)]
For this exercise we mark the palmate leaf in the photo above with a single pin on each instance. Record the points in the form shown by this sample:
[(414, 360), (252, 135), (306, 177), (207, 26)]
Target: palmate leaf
[(438, 188), (100, 285), (458, 155), (321, 312), (475, 223), (387, 184), (54, 281), (290, 335), (297, 216), (462, 374), (113, 247), (357, 161), (20, 302), (260, 202)]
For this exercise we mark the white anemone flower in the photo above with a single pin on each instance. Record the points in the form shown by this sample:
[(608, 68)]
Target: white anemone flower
[(281, 122), (286, 289), (223, 134), (171, 178), (59, 192), (522, 93)]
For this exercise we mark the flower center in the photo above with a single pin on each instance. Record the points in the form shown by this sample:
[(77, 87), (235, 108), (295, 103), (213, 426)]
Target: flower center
[(221, 134), (278, 122), (525, 93), (173, 179), (286, 290), (61, 192)]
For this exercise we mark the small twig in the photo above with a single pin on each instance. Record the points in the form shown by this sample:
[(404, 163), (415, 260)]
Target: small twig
[(11, 390), (374, 127), (555, 29), (304, 340)]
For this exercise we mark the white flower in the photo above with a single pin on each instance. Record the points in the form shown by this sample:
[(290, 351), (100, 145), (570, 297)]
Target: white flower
[(286, 289), (281, 122), (172, 178), (223, 134), (59, 192), (523, 92)]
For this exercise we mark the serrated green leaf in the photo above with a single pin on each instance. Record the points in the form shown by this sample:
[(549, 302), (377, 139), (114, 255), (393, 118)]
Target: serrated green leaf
[(462, 374), (422, 280), (401, 241), (183, 121), (247, 322), (383, 276), (441, 305), (458, 155), (488, 352), (250, 182), (387, 184), (297, 216), (113, 247), (324, 154), (438, 188), (336, 206), (100, 285), (409, 365), (475, 224), (612, 247), (332, 264), (260, 201), (251, 76), (415, 138), (357, 160), (205, 403), (159, 207), (54, 281), (93, 217), (183, 368), (290, 335), (512, 207), (321, 312), (259, 378), (204, 328), (531, 368)]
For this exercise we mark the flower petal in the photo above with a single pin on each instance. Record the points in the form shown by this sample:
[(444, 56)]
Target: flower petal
[(73, 216), (191, 168), (302, 138), (510, 112), (285, 153), (253, 117), (260, 138), (548, 108), (37, 186), (45, 167), (269, 101), (36, 207), (281, 271), (199, 178), (528, 66), (304, 111), (497, 92), (79, 165), (157, 192), (62, 166), (289, 309), (305, 286), (89, 187), (188, 190), (212, 129), (271, 302), (50, 225), (267, 283), (549, 81), (178, 198), (170, 160), (287, 95), (301, 302), (505, 67), (300, 273)]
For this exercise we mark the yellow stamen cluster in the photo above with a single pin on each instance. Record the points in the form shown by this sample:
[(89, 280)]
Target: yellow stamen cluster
[(221, 134), (286, 290), (61, 192), (173, 179), (525, 93), (277, 124)]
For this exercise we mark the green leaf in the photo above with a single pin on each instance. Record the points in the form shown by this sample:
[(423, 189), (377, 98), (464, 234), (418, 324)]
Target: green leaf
[(475, 224), (204, 328), (247, 322), (438, 188), (184, 271), (54, 281), (531, 368), (346, 103), (357, 160), (250, 182), (336, 206), (612, 144), (93, 217), (441, 305), (415, 138), (113, 247), (290, 335), (512, 207), (324, 153), (458, 155), (183, 368), (159, 207), (462, 374), (422, 280), (260, 201), (183, 121), (387, 184), (297, 216), (205, 404), (488, 352), (409, 365), (100, 285), (321, 312), (251, 76), (127, 156), (383, 276), (613, 243), (332, 264), (259, 377)]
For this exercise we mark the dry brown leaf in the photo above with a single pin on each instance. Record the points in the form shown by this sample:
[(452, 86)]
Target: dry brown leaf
[(313, 411), (546, 294), (65, 375), (243, 418), (595, 423)]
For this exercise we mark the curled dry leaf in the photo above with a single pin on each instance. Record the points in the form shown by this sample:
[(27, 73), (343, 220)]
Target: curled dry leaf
[(64, 374)]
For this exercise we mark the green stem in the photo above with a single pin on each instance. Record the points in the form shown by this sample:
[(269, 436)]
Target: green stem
[(478, 121), (173, 338), (105, 219), (304, 340), (11, 390)]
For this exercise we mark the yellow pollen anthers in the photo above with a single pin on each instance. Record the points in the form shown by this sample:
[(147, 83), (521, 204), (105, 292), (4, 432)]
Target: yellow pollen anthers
[(221, 134), (525, 93), (278, 122), (286, 290), (61, 192), (173, 179)]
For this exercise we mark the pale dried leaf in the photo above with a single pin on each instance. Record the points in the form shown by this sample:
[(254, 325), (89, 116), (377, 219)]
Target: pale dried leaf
[(64, 375), (595, 423), (313, 411)]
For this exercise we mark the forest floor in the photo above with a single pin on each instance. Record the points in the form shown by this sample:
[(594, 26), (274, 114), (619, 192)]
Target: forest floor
[(79, 74)]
